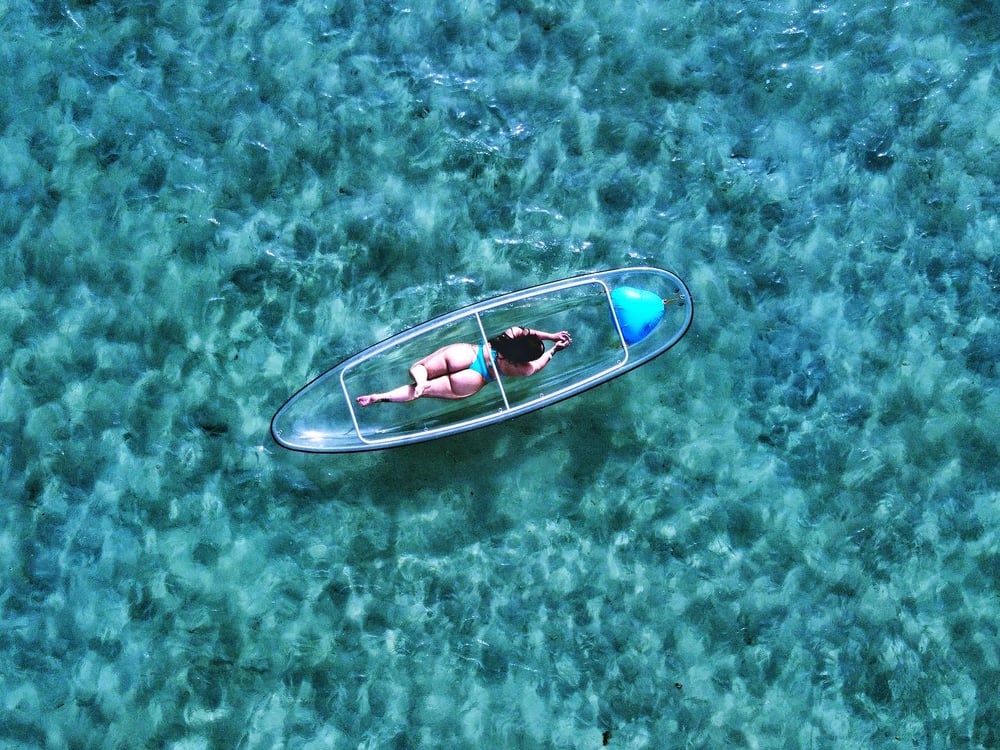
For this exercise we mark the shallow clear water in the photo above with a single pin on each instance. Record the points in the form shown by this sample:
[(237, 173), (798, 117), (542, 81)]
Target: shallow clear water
[(781, 534)]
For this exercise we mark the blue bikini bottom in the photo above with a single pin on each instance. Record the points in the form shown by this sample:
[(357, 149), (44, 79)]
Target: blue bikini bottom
[(479, 363)]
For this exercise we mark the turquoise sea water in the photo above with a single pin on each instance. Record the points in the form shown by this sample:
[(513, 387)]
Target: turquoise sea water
[(781, 534)]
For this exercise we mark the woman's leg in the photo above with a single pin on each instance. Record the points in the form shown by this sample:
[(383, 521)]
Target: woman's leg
[(445, 361), (442, 374), (457, 385)]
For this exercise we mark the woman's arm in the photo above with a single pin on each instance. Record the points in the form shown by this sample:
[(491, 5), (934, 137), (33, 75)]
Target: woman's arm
[(544, 335), (539, 364)]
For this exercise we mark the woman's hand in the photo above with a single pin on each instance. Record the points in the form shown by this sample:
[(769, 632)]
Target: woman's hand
[(562, 339)]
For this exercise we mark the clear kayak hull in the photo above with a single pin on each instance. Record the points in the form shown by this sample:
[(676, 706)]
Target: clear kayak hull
[(612, 334)]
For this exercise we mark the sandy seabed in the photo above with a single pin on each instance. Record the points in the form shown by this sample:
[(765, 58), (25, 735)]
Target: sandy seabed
[(781, 534)]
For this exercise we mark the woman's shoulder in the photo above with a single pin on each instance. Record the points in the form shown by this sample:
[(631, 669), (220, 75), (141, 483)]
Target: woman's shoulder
[(515, 332), (515, 368)]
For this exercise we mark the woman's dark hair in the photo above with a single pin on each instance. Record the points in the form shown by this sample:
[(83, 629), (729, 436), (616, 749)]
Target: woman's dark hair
[(521, 349)]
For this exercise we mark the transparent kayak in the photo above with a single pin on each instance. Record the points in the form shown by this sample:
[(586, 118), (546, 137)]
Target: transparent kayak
[(619, 320)]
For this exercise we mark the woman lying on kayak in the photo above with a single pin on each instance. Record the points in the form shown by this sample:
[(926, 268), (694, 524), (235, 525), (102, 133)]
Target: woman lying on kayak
[(459, 370)]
